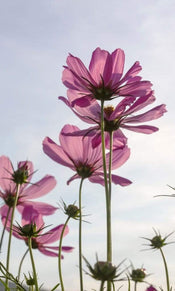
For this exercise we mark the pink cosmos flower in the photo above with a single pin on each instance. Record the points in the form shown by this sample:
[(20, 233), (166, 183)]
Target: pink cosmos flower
[(77, 153), (26, 192), (116, 118), (33, 221), (151, 288), (104, 80)]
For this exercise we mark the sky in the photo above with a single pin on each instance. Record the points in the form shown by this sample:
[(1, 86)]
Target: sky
[(36, 38)]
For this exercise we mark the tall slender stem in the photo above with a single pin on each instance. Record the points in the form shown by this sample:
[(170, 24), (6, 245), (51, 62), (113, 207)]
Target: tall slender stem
[(135, 286), (5, 224), (110, 163), (80, 238), (20, 265), (59, 255), (102, 285), (11, 230), (166, 270), (108, 206), (33, 263)]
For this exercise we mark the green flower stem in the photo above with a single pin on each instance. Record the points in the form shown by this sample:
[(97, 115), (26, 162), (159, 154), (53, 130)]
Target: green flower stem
[(102, 285), (33, 263), (129, 284), (5, 224), (20, 265), (80, 238), (108, 206), (166, 270), (11, 230), (59, 254), (110, 164)]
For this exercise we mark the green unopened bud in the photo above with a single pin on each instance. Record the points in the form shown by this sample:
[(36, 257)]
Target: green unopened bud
[(21, 175), (72, 211), (29, 281), (138, 275), (157, 242)]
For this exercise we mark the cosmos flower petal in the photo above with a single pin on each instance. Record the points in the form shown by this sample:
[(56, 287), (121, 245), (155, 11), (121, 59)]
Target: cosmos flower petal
[(41, 207), (100, 66), (118, 60), (53, 234), (40, 188), (6, 171), (55, 152), (147, 129), (152, 114), (120, 180)]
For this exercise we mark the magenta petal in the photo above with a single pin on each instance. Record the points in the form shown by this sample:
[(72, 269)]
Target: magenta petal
[(100, 66), (40, 207), (152, 114), (46, 252), (119, 157), (118, 60), (6, 171), (56, 153), (53, 234), (73, 146), (132, 72), (120, 180), (147, 129), (40, 188), (74, 177), (30, 215)]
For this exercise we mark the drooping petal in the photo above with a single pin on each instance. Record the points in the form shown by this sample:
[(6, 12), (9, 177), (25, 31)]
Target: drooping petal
[(56, 153), (120, 180), (152, 114), (50, 253), (53, 234), (39, 189), (147, 129), (74, 177), (119, 157), (40, 207)]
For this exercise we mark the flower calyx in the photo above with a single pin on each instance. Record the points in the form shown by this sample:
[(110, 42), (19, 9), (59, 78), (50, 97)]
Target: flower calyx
[(157, 242), (20, 176)]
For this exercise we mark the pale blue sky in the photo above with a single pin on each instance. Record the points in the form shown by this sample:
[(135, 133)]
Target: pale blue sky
[(36, 37)]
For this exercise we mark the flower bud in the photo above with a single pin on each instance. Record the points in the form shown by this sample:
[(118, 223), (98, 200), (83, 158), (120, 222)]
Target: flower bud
[(157, 242), (21, 175), (29, 281), (138, 275), (72, 211), (151, 288)]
